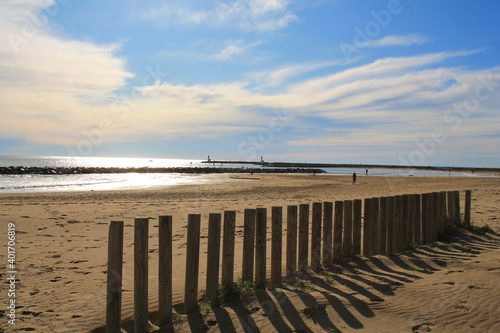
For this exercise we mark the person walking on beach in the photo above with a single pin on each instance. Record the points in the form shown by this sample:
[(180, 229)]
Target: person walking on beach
[(366, 172), (354, 178)]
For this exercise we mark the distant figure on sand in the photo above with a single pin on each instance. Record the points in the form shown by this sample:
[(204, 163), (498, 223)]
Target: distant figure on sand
[(366, 172), (354, 178)]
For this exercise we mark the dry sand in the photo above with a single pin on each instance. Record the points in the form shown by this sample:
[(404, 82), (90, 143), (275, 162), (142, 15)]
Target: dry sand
[(61, 249)]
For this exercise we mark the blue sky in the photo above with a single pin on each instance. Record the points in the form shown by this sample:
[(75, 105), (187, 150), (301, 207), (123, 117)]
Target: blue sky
[(394, 82)]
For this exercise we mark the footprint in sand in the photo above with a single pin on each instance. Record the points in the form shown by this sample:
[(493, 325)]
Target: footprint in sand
[(420, 328)]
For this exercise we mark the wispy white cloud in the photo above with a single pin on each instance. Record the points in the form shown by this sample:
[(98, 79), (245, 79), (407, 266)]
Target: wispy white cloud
[(255, 15), (396, 40), (234, 48)]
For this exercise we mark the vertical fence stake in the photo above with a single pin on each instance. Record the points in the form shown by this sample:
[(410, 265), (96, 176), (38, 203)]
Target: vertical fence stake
[(276, 245), (248, 245), (375, 224), (327, 233), (316, 236), (417, 220), (367, 228), (405, 222), (192, 263), (141, 230), (114, 281), (356, 227), (347, 239), (442, 213), (291, 243), (411, 221), (165, 270), (228, 247), (468, 199), (425, 218), (303, 237), (391, 214), (260, 247), (382, 230), (213, 258), (450, 219), (337, 231), (398, 220), (456, 208), (435, 216)]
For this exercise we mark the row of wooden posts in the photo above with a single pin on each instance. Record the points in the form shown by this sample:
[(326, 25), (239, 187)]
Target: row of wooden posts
[(391, 225)]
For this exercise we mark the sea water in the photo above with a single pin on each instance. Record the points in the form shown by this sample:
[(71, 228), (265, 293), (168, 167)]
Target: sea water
[(96, 182)]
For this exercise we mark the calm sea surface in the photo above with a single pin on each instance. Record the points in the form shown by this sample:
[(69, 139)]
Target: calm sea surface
[(87, 182)]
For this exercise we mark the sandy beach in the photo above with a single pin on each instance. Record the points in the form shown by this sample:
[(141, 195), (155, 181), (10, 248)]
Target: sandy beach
[(61, 255)]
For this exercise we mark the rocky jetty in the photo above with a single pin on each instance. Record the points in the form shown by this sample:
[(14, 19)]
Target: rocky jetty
[(19, 170)]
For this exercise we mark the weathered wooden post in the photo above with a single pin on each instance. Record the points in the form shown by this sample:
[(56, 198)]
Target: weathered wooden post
[(114, 281), (468, 199), (337, 231), (425, 218), (382, 230), (442, 213), (456, 206), (417, 220), (411, 221), (192, 263), (228, 247), (316, 236), (391, 215), (276, 244), (398, 220), (291, 243), (375, 224), (213, 258), (405, 224), (347, 239), (327, 233), (141, 230), (367, 228), (303, 237), (248, 245), (450, 220), (165, 270), (260, 247), (435, 216), (356, 227)]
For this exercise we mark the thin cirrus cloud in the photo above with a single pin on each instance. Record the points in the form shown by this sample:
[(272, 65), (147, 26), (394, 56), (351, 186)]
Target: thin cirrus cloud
[(234, 48), (257, 15), (396, 40)]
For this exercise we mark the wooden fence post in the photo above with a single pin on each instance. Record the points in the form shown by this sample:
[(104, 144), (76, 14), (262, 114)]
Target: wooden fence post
[(411, 221), (398, 220), (192, 263), (114, 278), (141, 230), (425, 218), (435, 216), (468, 200), (165, 270), (291, 243), (391, 214), (228, 247), (337, 231), (442, 213), (356, 227), (347, 230), (260, 247), (367, 228), (417, 220), (382, 230), (405, 222), (213, 258), (456, 206), (316, 236), (248, 245), (375, 224), (303, 237), (450, 219), (276, 245), (327, 233)]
